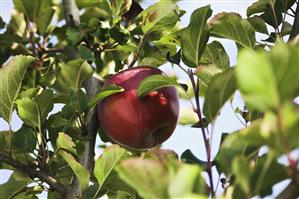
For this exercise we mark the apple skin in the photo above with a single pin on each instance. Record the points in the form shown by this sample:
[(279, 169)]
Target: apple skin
[(134, 122)]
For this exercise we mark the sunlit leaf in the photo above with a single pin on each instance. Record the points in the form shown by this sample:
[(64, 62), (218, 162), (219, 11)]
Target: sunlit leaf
[(154, 82), (81, 172), (232, 26), (11, 76)]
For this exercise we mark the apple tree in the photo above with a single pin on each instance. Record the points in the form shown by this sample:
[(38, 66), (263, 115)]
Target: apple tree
[(61, 53)]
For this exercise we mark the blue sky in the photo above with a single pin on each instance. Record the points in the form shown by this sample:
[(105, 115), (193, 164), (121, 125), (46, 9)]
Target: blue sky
[(183, 137)]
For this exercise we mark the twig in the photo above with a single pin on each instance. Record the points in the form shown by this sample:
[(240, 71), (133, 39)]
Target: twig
[(31, 36), (207, 143), (140, 45), (33, 173)]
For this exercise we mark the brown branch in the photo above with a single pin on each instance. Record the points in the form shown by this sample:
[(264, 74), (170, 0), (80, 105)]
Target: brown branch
[(72, 18), (34, 173), (295, 29), (31, 36)]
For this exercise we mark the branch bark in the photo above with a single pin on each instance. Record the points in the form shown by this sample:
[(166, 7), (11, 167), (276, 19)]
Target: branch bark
[(295, 28), (34, 173), (72, 17), (291, 191)]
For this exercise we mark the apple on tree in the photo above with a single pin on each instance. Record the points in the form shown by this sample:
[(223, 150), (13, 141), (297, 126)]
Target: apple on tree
[(138, 123)]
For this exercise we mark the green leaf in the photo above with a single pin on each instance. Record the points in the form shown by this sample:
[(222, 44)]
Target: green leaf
[(65, 142), (72, 75), (141, 174), (257, 80), (160, 16), (214, 53), (232, 26), (11, 76), (119, 7), (106, 163), (86, 53), (24, 140), (73, 34), (44, 16), (81, 172), (221, 87), (195, 37), (103, 93), (259, 6), (241, 169), (15, 183), (155, 82), (243, 142), (34, 112), (45, 103), (28, 112), (258, 24), (188, 180), (187, 116), (29, 8)]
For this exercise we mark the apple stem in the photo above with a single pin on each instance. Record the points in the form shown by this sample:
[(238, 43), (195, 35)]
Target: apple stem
[(195, 85)]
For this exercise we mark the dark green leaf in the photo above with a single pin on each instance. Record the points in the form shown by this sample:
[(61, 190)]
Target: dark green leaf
[(195, 37), (259, 6), (188, 157), (16, 183), (221, 87), (175, 59), (154, 82), (258, 24), (86, 53)]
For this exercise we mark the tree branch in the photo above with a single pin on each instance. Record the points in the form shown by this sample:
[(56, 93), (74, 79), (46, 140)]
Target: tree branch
[(72, 18), (34, 173), (295, 29), (291, 191)]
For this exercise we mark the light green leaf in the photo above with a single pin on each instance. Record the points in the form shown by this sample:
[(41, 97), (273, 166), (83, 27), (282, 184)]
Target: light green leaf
[(81, 172), (65, 142), (72, 75), (29, 112), (11, 76), (141, 175), (219, 90), (160, 16), (187, 116), (154, 82), (103, 93), (257, 80), (241, 169), (188, 180), (232, 26), (119, 7), (195, 37), (106, 163), (214, 53), (15, 183), (206, 73)]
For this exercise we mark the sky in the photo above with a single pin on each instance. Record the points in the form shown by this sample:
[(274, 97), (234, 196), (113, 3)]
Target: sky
[(184, 137)]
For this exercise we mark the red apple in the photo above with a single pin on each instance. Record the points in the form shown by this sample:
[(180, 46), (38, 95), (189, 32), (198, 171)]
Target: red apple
[(134, 122)]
